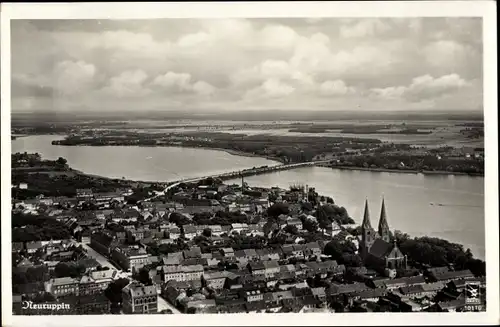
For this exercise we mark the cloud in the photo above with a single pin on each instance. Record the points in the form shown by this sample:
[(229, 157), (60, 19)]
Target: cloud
[(181, 82), (337, 87), (423, 88), (271, 88), (127, 84), (71, 77), (364, 28), (224, 63)]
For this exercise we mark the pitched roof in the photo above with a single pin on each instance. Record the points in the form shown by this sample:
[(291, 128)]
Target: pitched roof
[(366, 217), (382, 224), (137, 290), (64, 281), (103, 274), (380, 248)]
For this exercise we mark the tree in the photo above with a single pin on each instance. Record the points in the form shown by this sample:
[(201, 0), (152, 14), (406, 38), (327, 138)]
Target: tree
[(336, 249), (114, 290), (278, 209), (61, 161), (329, 200), (143, 276), (310, 225), (68, 270), (291, 229), (207, 232), (351, 260)]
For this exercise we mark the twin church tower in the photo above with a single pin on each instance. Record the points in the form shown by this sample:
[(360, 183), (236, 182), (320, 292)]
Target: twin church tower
[(368, 233), (376, 247)]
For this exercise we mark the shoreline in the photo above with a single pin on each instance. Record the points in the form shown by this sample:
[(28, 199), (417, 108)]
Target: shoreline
[(230, 151), (401, 171)]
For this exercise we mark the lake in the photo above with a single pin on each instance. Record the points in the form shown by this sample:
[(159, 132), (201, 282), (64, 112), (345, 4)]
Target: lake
[(408, 196), (139, 163), (408, 199)]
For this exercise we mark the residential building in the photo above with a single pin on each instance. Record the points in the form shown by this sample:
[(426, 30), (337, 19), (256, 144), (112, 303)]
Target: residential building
[(139, 299), (60, 287), (130, 259), (182, 273), (216, 280)]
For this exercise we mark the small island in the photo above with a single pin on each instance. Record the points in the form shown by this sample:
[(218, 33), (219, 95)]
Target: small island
[(203, 246)]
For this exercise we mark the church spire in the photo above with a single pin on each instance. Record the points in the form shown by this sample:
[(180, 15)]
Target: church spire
[(383, 225), (366, 217)]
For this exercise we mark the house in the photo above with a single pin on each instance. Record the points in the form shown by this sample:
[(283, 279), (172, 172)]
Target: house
[(202, 306), (295, 222), (392, 284), (32, 247), (271, 268), (339, 289), (435, 271), (453, 275), (257, 268), (227, 252), (60, 287), (431, 289), (412, 292), (139, 299), (239, 227), (298, 250), (130, 259), (216, 230), (84, 194), (182, 273), (370, 295), (312, 249), (173, 258), (24, 264), (216, 280), (190, 231), (319, 293), (287, 250), (17, 247), (252, 296), (193, 252), (267, 254), (246, 255), (451, 306), (86, 234), (103, 243)]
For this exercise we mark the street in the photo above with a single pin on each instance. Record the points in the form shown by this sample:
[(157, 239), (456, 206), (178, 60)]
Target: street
[(103, 261), (163, 305)]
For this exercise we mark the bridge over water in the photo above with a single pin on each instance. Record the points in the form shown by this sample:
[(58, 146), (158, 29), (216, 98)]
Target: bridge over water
[(242, 173)]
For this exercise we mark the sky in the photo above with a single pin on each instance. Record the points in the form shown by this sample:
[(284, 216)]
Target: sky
[(247, 64)]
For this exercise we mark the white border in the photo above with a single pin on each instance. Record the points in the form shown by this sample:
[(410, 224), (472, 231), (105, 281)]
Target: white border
[(485, 9)]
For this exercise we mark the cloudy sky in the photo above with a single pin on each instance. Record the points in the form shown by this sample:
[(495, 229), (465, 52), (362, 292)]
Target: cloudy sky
[(231, 64)]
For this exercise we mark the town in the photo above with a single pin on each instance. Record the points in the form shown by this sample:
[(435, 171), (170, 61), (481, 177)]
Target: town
[(203, 246)]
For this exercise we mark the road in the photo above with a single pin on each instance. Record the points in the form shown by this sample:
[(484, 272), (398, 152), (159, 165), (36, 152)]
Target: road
[(163, 305), (102, 260)]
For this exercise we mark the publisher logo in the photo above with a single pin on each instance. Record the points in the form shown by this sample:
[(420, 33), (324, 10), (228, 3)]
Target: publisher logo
[(472, 293)]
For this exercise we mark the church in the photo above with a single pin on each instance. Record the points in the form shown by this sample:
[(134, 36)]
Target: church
[(376, 248)]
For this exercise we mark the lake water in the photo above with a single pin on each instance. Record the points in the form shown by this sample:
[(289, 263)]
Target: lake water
[(407, 199), (408, 196), (139, 163)]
